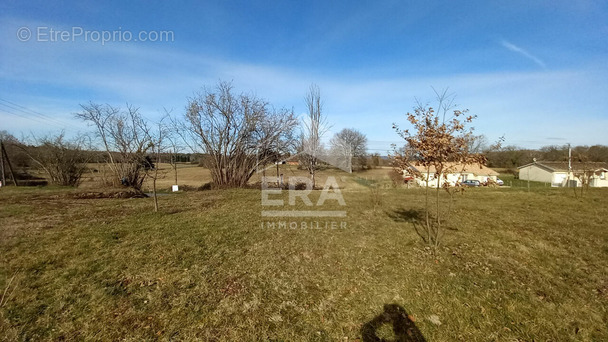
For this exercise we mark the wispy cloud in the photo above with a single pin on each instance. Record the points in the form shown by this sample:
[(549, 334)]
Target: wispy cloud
[(152, 77), (515, 48)]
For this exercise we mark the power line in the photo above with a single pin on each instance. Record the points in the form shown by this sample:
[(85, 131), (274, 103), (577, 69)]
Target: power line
[(32, 114), (14, 106), (25, 109), (34, 119), (6, 111)]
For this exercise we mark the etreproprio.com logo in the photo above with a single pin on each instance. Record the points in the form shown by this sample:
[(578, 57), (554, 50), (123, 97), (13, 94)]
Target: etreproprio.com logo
[(77, 33)]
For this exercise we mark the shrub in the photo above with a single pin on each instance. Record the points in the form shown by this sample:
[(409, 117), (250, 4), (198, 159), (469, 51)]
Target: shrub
[(396, 178)]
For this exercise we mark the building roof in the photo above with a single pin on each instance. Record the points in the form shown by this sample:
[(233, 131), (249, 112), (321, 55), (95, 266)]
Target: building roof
[(562, 166), (475, 169)]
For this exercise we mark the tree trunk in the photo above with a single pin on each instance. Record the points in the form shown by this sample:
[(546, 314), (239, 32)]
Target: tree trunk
[(154, 189), (426, 196), (175, 166), (436, 231)]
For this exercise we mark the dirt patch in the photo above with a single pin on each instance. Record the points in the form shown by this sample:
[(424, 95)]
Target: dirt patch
[(603, 289), (108, 194)]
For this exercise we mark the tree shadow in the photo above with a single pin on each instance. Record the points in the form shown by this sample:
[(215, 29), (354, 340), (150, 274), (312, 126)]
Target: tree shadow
[(406, 215), (413, 216), (403, 327)]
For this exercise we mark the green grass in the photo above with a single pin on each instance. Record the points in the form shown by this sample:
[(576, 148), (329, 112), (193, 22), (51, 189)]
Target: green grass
[(511, 181), (515, 265)]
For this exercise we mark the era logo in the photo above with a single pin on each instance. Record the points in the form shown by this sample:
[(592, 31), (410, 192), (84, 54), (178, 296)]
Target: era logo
[(330, 191)]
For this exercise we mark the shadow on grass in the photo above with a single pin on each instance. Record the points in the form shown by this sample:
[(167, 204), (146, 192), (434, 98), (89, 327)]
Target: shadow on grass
[(413, 216), (394, 315)]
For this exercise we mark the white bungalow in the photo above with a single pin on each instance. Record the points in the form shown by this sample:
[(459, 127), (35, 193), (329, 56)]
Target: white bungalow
[(458, 173), (559, 174)]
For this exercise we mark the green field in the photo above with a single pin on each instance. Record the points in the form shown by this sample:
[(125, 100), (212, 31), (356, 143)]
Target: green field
[(513, 182), (514, 266)]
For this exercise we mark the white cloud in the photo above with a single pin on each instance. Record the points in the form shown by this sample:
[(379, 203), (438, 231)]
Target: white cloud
[(515, 48), (521, 105)]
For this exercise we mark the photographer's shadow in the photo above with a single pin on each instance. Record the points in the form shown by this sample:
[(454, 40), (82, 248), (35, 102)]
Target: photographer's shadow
[(403, 327)]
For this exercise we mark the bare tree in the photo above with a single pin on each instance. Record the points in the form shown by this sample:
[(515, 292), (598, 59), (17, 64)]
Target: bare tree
[(172, 137), (349, 145), (158, 140), (126, 137), (478, 144), (10, 146), (236, 132), (20, 160), (439, 142), (598, 153), (376, 160), (174, 148), (583, 170), (63, 160), (314, 127)]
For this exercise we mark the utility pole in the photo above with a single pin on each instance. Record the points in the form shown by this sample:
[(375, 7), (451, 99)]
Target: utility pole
[(2, 167), (8, 162), (569, 163), (569, 158)]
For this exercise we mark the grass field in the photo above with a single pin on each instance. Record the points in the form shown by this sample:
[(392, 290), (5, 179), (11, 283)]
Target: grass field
[(192, 176), (511, 181), (515, 266)]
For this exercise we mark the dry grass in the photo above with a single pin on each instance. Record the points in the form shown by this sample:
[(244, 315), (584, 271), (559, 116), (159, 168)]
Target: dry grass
[(516, 266), (99, 176), (193, 176)]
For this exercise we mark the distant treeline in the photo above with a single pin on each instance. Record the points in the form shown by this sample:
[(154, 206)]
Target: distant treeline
[(100, 157), (510, 157), (21, 154)]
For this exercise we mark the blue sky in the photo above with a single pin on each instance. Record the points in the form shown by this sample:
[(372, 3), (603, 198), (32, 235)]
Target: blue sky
[(535, 71)]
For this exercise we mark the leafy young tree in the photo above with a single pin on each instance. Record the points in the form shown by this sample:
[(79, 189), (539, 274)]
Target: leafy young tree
[(236, 132), (349, 145), (440, 143), (126, 138)]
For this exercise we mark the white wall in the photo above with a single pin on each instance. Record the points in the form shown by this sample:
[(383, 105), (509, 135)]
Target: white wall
[(535, 173), (452, 179), (597, 182), (559, 179)]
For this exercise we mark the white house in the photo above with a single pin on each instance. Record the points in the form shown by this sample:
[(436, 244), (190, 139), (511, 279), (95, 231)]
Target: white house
[(458, 173), (560, 175)]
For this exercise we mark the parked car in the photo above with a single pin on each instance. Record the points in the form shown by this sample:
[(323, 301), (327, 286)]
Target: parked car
[(500, 182), (471, 182)]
